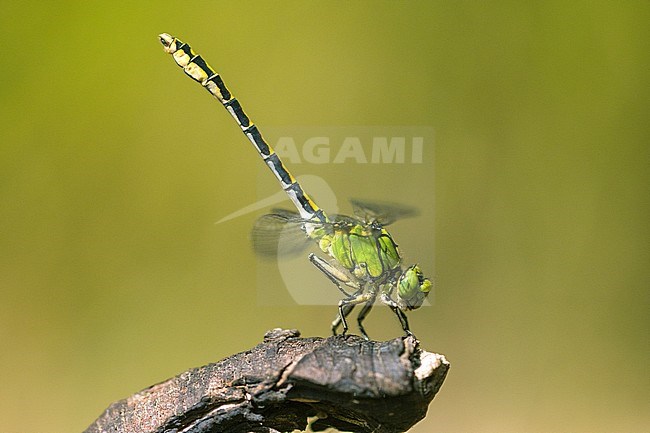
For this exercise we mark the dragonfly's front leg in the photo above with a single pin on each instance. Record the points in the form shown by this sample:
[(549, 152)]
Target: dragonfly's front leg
[(385, 298)]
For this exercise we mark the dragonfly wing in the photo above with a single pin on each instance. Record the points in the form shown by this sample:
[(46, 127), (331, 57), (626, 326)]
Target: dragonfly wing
[(279, 234), (382, 212)]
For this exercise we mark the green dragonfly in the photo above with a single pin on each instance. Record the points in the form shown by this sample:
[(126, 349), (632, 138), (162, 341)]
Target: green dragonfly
[(364, 261)]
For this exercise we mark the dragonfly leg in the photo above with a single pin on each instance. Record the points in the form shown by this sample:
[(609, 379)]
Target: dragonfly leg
[(346, 305), (342, 314), (340, 318), (398, 312), (335, 275), (362, 315)]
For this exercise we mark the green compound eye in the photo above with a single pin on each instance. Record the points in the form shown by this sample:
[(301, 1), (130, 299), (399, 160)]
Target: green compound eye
[(425, 287), (413, 288)]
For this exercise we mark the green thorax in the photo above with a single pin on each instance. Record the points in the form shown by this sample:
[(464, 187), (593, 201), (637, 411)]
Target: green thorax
[(366, 250)]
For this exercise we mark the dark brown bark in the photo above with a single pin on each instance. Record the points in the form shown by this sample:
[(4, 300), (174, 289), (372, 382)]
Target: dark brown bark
[(343, 382)]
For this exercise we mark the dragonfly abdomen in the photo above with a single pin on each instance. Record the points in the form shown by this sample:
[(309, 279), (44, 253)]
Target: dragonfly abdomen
[(199, 70)]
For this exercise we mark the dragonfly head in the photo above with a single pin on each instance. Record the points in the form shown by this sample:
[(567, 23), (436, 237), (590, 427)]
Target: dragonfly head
[(412, 288), (168, 42)]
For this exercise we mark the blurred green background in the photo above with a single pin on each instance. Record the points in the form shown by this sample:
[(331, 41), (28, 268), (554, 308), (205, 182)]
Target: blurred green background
[(114, 168)]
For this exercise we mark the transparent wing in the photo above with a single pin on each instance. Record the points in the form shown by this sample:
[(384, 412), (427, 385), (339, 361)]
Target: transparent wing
[(382, 212), (279, 234)]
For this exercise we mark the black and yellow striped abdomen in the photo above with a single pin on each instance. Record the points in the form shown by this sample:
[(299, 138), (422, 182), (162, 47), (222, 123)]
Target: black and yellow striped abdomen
[(199, 70)]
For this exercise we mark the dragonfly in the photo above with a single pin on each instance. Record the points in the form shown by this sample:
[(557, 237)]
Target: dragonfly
[(364, 262)]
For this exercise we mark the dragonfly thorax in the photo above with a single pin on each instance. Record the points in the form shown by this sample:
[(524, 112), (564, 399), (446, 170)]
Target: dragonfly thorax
[(367, 251)]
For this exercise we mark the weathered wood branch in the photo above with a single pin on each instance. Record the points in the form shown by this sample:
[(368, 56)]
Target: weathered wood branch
[(343, 382)]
